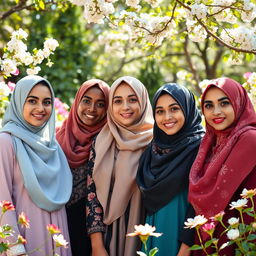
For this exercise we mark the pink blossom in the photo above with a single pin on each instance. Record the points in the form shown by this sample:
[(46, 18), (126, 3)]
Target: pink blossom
[(16, 72), (11, 85), (247, 75)]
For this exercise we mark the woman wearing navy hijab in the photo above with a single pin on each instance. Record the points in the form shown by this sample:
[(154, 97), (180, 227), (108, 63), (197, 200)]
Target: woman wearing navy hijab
[(165, 165)]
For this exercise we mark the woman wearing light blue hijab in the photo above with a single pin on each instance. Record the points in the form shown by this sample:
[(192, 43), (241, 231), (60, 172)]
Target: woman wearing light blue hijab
[(34, 172)]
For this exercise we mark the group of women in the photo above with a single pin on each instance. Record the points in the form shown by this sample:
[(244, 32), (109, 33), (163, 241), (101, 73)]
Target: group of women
[(117, 162)]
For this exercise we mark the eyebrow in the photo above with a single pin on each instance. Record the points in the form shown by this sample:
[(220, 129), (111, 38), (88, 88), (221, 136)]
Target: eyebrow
[(221, 99), (173, 104), (90, 98), (131, 95), (35, 97)]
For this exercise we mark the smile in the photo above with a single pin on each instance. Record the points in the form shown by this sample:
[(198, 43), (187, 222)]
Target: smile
[(126, 115), (218, 120), (169, 125), (89, 116), (38, 116)]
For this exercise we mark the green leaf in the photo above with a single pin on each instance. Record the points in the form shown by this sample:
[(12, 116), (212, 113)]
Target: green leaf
[(208, 243), (3, 247), (153, 251), (195, 247), (251, 237)]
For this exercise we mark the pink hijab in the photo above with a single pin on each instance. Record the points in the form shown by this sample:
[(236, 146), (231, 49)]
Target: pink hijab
[(218, 172), (74, 136)]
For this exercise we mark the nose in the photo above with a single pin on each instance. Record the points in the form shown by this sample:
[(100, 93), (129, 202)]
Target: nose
[(125, 104), (40, 107), (92, 107), (216, 110), (168, 115)]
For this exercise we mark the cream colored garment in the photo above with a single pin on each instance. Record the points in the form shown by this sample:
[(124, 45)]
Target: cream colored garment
[(118, 150)]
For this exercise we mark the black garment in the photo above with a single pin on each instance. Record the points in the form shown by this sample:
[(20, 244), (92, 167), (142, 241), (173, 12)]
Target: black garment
[(164, 167), (76, 214)]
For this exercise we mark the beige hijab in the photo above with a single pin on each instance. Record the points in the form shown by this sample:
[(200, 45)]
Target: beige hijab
[(118, 150)]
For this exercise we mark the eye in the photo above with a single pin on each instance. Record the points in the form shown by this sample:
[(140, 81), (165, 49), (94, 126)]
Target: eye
[(101, 105), (86, 101), (133, 100), (31, 101), (117, 101), (47, 102), (225, 103), (208, 105), (159, 112), (175, 109)]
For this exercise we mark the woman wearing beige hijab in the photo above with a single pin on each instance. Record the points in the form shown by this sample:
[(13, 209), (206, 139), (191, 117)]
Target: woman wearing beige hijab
[(116, 206)]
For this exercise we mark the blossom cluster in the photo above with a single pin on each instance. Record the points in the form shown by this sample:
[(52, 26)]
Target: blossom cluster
[(250, 86), (236, 230), (229, 21), (16, 53)]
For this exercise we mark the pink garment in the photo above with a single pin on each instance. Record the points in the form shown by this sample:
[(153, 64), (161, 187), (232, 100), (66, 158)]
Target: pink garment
[(13, 190)]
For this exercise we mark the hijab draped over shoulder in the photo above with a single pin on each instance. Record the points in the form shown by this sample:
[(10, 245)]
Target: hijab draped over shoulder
[(164, 167), (44, 167), (118, 150), (216, 174), (74, 136)]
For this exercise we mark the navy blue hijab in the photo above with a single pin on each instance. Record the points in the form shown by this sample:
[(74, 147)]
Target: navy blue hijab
[(164, 166)]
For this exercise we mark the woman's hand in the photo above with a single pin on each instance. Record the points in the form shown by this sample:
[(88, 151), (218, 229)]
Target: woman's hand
[(97, 243), (184, 250), (99, 251)]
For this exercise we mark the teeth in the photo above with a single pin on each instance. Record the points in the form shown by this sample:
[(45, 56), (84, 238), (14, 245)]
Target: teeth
[(89, 116), (169, 125)]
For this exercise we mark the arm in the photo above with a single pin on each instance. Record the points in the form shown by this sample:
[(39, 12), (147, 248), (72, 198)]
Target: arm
[(94, 212), (7, 165), (184, 250)]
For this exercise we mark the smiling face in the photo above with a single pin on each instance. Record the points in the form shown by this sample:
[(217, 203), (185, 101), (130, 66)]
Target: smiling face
[(217, 109), (92, 108), (169, 115), (38, 105), (125, 104)]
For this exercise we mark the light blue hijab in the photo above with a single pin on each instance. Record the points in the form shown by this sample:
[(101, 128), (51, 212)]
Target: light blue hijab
[(44, 167)]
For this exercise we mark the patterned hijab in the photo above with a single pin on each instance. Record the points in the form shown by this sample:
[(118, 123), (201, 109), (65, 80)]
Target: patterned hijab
[(74, 136), (219, 169), (118, 150), (44, 167), (164, 167)]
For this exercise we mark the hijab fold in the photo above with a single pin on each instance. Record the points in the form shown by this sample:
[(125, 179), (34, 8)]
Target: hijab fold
[(218, 171), (164, 167), (118, 150), (44, 167), (74, 136)]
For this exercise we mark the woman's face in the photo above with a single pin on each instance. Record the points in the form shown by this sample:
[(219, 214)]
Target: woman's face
[(38, 105), (217, 109), (169, 116), (92, 107), (125, 104)]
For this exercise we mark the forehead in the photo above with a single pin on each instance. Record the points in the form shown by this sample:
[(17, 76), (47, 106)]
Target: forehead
[(94, 91), (124, 89), (40, 90), (165, 100), (214, 93)]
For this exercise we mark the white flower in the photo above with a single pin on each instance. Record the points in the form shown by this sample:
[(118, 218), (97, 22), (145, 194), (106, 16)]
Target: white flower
[(233, 234), (224, 245), (252, 192), (199, 10), (51, 44), (39, 57), (141, 253), (19, 34), (144, 230), (78, 2), (232, 221), (4, 90), (199, 220), (8, 67), (60, 241), (132, 3), (240, 203), (26, 58), (33, 71)]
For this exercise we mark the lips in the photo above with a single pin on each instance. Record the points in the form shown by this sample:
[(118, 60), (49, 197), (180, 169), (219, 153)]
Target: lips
[(38, 116), (89, 116), (169, 125), (126, 115), (218, 120)]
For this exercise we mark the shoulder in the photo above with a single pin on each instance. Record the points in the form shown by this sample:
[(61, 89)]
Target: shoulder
[(248, 136), (5, 138)]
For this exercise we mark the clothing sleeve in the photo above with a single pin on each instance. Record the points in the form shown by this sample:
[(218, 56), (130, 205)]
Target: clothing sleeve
[(94, 210), (7, 166), (187, 235)]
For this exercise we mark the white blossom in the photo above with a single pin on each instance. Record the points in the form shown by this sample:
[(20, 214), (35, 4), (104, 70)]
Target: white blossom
[(240, 203), (233, 234), (4, 90), (233, 221), (153, 3), (133, 3), (51, 44), (199, 220), (19, 34), (33, 71), (78, 2), (8, 66), (39, 57), (199, 10), (249, 14)]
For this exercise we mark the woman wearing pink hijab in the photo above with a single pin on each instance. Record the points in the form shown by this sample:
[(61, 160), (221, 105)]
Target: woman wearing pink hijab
[(86, 118), (225, 164)]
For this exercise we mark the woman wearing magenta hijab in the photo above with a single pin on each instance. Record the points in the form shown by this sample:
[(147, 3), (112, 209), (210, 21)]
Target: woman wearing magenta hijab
[(164, 167), (225, 164), (35, 175), (118, 147), (87, 116)]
